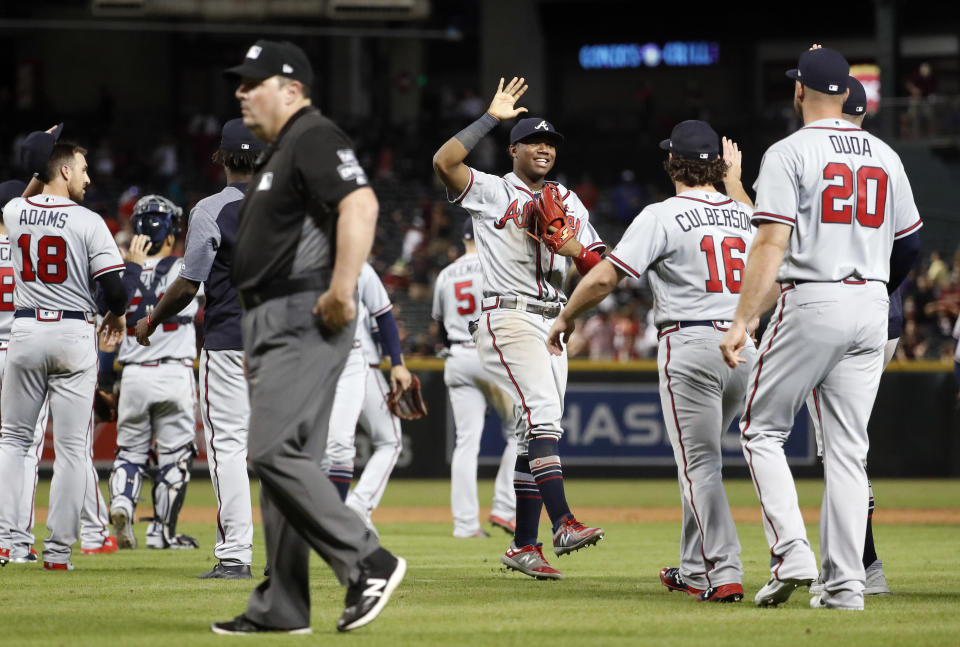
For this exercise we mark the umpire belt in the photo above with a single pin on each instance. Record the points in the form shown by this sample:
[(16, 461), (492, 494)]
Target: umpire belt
[(54, 315), (318, 281), (547, 310), (667, 328)]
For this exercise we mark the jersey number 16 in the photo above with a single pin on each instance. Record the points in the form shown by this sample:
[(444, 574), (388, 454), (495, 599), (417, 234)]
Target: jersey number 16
[(732, 265)]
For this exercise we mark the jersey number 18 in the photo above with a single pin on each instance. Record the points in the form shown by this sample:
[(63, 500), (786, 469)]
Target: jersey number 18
[(51, 259)]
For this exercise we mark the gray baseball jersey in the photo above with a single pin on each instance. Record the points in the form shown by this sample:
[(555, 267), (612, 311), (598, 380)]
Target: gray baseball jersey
[(59, 247), (513, 262), (457, 294), (173, 340), (693, 248), (374, 301), (7, 285), (847, 197)]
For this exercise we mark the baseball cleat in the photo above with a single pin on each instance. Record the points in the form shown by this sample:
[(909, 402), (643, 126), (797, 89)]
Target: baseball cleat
[(241, 626), (817, 587), (28, 557), (876, 583), (573, 535), (508, 527), (367, 597), (123, 527), (777, 591), (529, 560), (817, 602), (479, 534), (57, 566), (670, 577), (723, 593), (109, 546), (177, 542), (221, 571), (4, 556)]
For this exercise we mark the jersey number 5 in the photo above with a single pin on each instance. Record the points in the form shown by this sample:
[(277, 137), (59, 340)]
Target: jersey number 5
[(51, 259), (732, 266), (871, 184), (465, 297)]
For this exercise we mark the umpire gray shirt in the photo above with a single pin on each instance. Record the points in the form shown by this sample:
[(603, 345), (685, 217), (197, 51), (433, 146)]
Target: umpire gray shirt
[(289, 214)]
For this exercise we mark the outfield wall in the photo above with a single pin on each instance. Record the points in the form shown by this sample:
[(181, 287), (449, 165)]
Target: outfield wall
[(614, 427)]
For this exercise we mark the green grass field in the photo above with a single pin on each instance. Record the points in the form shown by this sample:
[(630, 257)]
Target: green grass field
[(456, 593)]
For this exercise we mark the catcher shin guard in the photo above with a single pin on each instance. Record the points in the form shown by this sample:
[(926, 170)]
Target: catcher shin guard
[(169, 491), (126, 479)]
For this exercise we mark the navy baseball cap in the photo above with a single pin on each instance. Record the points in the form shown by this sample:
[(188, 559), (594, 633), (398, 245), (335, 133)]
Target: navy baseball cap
[(468, 228), (267, 58), (693, 140), (9, 190), (36, 148), (534, 126), (237, 138), (856, 103), (824, 70)]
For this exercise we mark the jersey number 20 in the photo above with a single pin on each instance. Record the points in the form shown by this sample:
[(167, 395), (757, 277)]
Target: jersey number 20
[(51, 259), (865, 177), (732, 265)]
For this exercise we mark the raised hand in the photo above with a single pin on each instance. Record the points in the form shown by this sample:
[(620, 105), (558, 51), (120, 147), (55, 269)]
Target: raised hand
[(732, 158), (501, 107)]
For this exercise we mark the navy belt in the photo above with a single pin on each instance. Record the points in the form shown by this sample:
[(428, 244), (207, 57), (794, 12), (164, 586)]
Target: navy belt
[(317, 281), (677, 325), (34, 313)]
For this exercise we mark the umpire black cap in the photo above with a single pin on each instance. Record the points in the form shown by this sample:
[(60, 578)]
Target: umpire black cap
[(267, 58), (237, 138), (534, 126), (823, 69), (856, 103), (9, 190), (694, 140)]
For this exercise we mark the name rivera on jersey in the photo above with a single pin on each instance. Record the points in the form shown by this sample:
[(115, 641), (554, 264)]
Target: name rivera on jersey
[(56, 219)]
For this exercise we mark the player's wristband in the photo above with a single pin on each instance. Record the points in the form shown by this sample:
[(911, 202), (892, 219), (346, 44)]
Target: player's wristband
[(585, 260), (149, 323), (473, 133)]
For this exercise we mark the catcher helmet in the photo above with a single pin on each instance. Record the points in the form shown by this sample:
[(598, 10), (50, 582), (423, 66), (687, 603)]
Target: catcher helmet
[(157, 217)]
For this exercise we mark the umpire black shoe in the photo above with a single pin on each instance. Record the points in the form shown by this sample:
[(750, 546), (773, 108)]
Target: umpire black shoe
[(380, 573), (222, 571), (242, 625)]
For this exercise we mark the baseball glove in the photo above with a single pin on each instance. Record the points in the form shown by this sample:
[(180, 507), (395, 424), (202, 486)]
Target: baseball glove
[(409, 404), (549, 213)]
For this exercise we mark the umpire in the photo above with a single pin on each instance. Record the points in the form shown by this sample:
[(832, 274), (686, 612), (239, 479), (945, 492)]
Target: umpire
[(306, 227)]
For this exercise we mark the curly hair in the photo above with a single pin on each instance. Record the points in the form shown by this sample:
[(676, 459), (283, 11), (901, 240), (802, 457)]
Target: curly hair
[(236, 162), (695, 172)]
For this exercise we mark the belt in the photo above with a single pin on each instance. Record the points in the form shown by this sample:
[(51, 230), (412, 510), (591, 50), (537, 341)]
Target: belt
[(158, 362), (254, 297), (548, 310), (667, 328), (847, 281), (53, 315), (464, 344)]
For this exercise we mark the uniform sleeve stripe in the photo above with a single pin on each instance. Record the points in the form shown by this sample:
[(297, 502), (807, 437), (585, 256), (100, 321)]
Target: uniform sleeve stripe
[(617, 261), (906, 231), (379, 312), (599, 243), (467, 190), (763, 215), (108, 269)]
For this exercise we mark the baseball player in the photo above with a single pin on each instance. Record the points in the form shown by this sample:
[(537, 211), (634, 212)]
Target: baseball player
[(836, 224), (157, 389), (362, 392), (59, 249), (95, 535), (456, 302), (522, 293), (855, 111), (692, 248), (225, 407)]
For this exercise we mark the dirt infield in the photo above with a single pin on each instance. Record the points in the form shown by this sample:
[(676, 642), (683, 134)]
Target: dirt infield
[(604, 514)]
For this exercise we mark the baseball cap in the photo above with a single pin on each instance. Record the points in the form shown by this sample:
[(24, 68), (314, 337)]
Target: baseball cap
[(824, 70), (267, 58), (237, 138), (693, 139), (9, 190), (856, 103), (468, 228), (36, 148), (534, 126)]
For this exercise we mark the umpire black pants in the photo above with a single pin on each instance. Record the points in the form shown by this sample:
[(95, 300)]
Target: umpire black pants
[(292, 369)]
